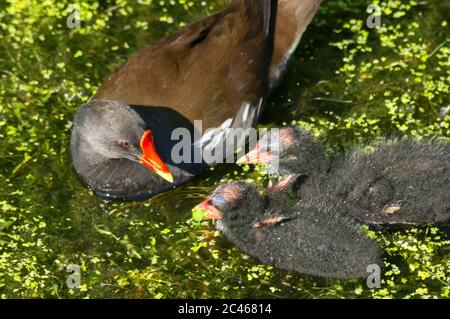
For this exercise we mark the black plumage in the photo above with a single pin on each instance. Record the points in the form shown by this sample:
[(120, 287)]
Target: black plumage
[(397, 181), (312, 238)]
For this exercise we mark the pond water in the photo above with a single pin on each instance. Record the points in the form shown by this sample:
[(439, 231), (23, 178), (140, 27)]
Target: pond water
[(348, 82)]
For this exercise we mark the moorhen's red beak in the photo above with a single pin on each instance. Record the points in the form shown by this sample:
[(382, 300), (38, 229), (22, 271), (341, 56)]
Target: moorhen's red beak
[(151, 159), (256, 156), (211, 211)]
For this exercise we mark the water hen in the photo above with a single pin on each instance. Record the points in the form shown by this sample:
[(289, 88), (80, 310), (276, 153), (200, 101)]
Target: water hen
[(395, 181), (122, 139), (311, 238), (217, 71)]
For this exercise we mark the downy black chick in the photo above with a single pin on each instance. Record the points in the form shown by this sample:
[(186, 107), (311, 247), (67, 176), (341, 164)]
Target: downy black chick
[(312, 238), (398, 181)]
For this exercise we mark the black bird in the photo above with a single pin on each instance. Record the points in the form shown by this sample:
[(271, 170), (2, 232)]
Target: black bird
[(218, 70), (312, 238), (399, 181), (288, 150)]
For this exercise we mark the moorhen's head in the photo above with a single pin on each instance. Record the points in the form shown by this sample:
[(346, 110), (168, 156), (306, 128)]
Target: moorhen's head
[(292, 151), (235, 205), (113, 150)]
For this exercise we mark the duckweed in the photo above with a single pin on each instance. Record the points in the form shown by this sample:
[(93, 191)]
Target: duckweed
[(347, 82)]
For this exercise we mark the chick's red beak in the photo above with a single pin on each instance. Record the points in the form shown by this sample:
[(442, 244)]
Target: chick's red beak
[(151, 159), (259, 155), (211, 211)]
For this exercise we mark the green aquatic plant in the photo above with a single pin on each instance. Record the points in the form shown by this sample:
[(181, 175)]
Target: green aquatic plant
[(347, 82)]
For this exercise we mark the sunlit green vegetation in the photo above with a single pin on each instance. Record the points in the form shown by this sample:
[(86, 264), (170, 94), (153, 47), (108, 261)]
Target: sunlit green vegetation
[(347, 82)]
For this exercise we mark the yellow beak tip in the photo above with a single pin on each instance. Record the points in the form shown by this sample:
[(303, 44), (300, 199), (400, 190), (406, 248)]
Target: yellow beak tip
[(167, 176)]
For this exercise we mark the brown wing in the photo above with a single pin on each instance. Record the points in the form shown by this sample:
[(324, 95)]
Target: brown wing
[(293, 17), (205, 72)]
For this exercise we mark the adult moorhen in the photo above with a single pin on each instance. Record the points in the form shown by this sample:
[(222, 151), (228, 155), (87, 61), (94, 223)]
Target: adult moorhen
[(398, 182), (216, 71), (207, 72), (312, 238)]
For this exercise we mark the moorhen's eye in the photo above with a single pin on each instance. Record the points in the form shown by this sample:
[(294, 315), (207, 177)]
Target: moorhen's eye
[(210, 202), (124, 144)]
